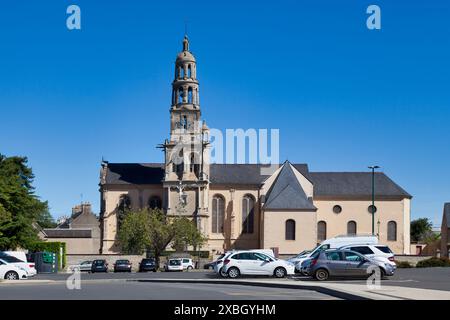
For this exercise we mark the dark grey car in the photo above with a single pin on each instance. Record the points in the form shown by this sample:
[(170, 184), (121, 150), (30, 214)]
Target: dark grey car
[(344, 263)]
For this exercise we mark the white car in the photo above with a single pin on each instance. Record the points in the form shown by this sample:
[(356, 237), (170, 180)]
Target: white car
[(188, 264), (21, 263), (256, 263), (218, 266), (174, 265), (11, 272), (83, 266), (380, 253)]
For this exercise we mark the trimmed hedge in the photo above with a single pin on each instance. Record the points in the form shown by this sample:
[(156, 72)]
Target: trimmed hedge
[(403, 264), (51, 247), (434, 262)]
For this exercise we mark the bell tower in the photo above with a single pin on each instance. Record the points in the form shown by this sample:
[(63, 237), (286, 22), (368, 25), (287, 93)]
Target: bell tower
[(187, 149)]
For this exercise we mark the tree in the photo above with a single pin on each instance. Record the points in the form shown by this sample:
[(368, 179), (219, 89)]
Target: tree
[(186, 234), (19, 206), (420, 229), (134, 233), (45, 220), (152, 230)]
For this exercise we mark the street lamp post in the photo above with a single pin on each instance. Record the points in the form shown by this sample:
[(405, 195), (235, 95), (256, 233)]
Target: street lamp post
[(373, 197)]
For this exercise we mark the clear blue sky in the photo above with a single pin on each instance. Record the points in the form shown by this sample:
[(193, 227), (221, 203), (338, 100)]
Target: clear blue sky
[(342, 96)]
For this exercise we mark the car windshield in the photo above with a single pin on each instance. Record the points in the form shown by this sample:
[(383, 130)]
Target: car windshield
[(304, 252), (384, 249), (174, 262), (122, 262), (148, 260), (98, 262), (9, 259)]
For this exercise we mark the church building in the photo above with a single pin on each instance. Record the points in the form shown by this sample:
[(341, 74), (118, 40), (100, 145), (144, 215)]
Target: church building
[(236, 206)]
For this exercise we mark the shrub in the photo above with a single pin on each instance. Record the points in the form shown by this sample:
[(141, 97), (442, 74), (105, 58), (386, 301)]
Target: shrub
[(403, 264), (53, 247), (434, 262)]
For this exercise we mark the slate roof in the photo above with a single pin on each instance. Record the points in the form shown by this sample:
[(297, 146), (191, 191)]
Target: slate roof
[(68, 233), (134, 173), (355, 184), (447, 213), (326, 184), (287, 193), (245, 174)]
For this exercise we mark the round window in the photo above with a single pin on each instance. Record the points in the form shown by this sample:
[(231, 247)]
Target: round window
[(337, 209), (372, 209)]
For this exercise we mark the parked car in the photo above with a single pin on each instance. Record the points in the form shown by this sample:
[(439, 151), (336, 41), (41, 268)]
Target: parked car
[(19, 259), (148, 264), (218, 267), (375, 252), (188, 264), (298, 257), (174, 265), (344, 263), (256, 263), (9, 271), (122, 265), (209, 265), (85, 266), (99, 265), (334, 243)]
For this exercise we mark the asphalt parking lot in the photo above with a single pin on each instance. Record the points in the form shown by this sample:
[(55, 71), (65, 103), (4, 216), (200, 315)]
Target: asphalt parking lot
[(424, 278), (134, 290)]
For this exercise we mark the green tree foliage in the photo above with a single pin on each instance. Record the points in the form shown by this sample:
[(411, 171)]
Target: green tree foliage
[(152, 230), (20, 208), (134, 232), (420, 229)]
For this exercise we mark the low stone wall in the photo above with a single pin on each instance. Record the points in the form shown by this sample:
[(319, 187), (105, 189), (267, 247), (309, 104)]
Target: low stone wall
[(412, 259), (72, 259)]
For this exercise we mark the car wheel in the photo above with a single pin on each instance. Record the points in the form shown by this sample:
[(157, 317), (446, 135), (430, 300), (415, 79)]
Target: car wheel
[(189, 268), (222, 273), (233, 273), (11, 275), (321, 274), (280, 272)]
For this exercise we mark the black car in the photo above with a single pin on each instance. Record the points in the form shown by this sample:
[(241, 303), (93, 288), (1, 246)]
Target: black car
[(209, 265), (148, 264), (99, 266), (122, 266)]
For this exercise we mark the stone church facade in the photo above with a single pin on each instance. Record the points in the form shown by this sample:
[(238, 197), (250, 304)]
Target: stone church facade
[(235, 205)]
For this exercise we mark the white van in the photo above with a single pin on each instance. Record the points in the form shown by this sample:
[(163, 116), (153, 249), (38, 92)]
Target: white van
[(333, 243)]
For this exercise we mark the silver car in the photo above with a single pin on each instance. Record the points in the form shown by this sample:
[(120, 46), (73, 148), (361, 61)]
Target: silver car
[(344, 263)]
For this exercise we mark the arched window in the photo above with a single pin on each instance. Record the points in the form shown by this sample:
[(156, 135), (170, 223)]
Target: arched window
[(248, 214), (180, 95), (178, 164), (194, 165), (181, 72), (321, 231), (218, 214), (290, 230), (155, 202), (189, 73), (122, 209), (190, 95), (351, 228), (392, 231)]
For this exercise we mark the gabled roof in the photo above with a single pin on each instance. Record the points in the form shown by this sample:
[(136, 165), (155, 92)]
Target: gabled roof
[(355, 184), (287, 193)]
